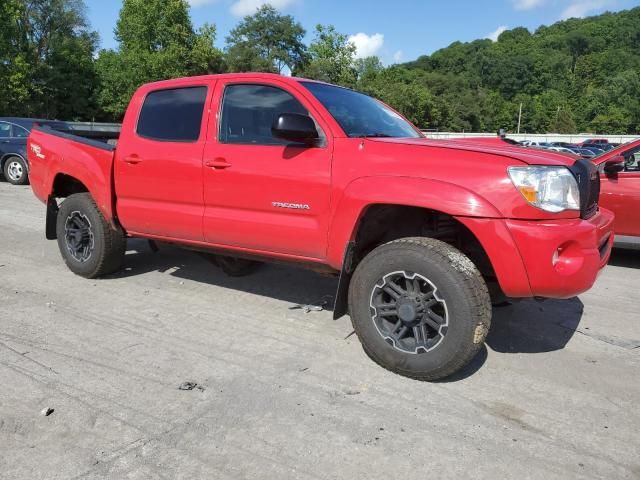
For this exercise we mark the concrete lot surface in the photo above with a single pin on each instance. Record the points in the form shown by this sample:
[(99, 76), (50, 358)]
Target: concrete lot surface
[(288, 394)]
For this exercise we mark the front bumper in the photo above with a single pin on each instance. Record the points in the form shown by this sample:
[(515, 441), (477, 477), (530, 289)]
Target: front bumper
[(549, 258)]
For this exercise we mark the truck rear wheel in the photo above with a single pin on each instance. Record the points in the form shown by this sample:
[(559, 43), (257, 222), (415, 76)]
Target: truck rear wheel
[(419, 307), (90, 246)]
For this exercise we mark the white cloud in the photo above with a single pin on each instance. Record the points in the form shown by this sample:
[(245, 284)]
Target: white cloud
[(240, 8), (398, 56), (199, 3), (367, 45), (493, 36), (527, 4), (580, 9)]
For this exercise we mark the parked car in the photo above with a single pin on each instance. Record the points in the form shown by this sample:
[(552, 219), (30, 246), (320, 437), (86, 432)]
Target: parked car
[(595, 150), (535, 143), (599, 141), (583, 152), (620, 191), (261, 166), (564, 145), (605, 147), (13, 144), (562, 150)]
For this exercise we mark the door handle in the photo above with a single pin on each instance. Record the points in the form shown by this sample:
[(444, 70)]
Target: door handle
[(218, 164), (132, 159)]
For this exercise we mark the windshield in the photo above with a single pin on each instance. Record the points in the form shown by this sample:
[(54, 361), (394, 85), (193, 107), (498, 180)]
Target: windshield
[(360, 115)]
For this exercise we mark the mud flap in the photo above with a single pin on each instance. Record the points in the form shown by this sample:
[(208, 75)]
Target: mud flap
[(341, 306), (52, 216)]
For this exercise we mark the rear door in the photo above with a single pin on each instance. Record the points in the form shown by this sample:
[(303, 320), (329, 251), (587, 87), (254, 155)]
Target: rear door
[(158, 167), (262, 193), (621, 194)]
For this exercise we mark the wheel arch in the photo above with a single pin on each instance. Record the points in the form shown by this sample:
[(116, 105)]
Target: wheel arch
[(63, 185), (421, 207)]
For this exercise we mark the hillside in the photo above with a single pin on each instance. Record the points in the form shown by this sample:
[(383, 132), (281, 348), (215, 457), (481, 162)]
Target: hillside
[(576, 75)]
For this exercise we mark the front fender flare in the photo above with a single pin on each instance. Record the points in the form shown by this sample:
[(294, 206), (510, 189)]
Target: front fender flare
[(431, 194)]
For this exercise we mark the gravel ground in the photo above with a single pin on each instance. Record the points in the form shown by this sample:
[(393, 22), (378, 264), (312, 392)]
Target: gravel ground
[(286, 394)]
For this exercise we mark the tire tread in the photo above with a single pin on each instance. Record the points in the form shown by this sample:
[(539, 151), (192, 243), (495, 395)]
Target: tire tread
[(478, 296)]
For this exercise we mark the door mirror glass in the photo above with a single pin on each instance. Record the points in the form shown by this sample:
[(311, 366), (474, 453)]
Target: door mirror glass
[(294, 127)]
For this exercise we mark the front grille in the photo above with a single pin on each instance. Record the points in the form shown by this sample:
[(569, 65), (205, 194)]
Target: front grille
[(586, 174)]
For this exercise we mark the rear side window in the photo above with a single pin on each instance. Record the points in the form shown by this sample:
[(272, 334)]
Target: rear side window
[(5, 130), (173, 115), (248, 112), (20, 132)]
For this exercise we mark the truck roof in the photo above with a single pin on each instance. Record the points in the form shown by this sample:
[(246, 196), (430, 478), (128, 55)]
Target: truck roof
[(230, 76)]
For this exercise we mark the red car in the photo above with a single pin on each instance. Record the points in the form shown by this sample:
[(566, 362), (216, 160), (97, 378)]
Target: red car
[(620, 191), (263, 167)]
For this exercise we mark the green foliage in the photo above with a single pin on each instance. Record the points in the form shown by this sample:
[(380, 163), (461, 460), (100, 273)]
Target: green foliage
[(266, 42), (576, 75), (46, 59), (156, 41), (331, 58)]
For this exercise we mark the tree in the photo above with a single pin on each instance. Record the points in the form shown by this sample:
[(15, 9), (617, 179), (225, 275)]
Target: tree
[(47, 47), (156, 41), (331, 58), (266, 42)]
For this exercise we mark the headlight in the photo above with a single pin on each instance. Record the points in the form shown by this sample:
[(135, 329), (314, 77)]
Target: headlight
[(553, 189)]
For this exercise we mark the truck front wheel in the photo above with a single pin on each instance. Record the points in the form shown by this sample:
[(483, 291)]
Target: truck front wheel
[(419, 307), (90, 246)]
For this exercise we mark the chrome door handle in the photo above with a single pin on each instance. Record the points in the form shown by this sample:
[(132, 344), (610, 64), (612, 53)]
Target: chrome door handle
[(132, 160), (218, 164)]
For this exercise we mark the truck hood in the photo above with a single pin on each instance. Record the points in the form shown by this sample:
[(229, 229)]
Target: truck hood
[(529, 156)]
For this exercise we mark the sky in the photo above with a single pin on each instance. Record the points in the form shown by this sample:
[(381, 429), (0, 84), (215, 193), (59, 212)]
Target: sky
[(396, 31)]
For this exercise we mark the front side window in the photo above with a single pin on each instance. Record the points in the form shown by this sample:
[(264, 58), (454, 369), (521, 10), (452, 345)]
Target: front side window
[(248, 112), (359, 115), (173, 115), (5, 130)]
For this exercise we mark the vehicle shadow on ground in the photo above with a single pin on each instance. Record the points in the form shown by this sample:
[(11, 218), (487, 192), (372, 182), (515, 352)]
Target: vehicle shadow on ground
[(625, 258), (526, 326), (281, 282)]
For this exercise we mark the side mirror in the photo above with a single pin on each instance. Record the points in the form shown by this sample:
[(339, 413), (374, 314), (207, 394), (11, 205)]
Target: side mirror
[(295, 128), (614, 165)]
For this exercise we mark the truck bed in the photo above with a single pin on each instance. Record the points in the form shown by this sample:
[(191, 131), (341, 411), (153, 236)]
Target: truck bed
[(53, 155)]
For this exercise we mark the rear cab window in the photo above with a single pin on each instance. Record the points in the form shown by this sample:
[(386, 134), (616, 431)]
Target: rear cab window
[(172, 115)]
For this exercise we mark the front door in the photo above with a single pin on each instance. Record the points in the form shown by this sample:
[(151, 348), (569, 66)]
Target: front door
[(158, 168), (621, 194), (262, 193)]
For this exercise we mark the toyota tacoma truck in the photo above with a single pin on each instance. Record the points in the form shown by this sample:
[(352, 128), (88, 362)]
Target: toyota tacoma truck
[(253, 167)]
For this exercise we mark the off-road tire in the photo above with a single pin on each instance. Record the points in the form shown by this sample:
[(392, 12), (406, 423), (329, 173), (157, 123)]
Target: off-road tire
[(8, 164), (109, 243), (458, 283)]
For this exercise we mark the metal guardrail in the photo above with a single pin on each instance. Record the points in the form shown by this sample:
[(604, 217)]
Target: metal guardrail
[(538, 137)]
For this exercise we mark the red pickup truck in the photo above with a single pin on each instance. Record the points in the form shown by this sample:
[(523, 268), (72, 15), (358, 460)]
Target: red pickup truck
[(620, 174), (257, 166)]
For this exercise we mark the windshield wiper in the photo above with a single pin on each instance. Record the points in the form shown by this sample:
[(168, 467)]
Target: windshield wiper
[(374, 135)]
